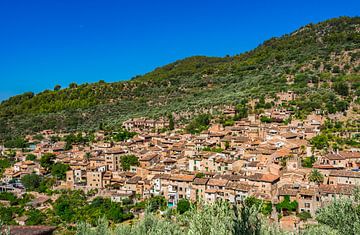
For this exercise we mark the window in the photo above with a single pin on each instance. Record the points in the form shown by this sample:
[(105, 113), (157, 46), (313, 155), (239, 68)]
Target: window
[(307, 205)]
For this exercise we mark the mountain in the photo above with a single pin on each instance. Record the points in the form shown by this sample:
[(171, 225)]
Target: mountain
[(325, 52)]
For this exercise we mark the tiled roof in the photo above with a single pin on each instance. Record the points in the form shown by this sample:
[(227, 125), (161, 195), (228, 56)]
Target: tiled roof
[(270, 178), (334, 156), (217, 182), (344, 173), (134, 180), (344, 189), (200, 181), (180, 177)]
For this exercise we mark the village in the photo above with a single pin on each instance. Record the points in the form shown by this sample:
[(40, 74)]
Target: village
[(268, 161)]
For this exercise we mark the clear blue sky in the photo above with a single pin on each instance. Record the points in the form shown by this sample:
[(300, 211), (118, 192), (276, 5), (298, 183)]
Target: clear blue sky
[(49, 42)]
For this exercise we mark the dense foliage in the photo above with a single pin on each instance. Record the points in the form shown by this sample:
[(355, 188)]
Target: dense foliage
[(128, 160), (199, 124), (58, 170), (341, 216), (287, 205), (316, 176), (17, 204), (72, 206)]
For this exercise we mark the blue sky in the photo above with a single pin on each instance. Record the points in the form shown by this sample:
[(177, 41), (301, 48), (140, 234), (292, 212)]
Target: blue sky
[(49, 42)]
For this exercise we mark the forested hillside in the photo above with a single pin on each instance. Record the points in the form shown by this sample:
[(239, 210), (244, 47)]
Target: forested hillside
[(326, 55)]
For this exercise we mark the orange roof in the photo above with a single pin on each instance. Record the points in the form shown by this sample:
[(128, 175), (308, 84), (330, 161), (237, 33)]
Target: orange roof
[(270, 178), (179, 177), (217, 182)]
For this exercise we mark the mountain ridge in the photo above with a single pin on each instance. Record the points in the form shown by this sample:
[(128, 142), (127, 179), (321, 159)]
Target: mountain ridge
[(329, 48)]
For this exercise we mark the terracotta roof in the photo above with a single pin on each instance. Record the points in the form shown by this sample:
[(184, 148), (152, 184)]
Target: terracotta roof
[(344, 173), (217, 182), (308, 191), (114, 151), (239, 186), (344, 189), (161, 176), (213, 134), (349, 155), (334, 156), (148, 157), (230, 177), (289, 135), (288, 190), (212, 191), (200, 181), (270, 178), (179, 177), (325, 167), (283, 152), (134, 180), (169, 160)]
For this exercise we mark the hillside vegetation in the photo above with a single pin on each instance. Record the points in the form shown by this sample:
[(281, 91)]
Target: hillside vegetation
[(320, 54), (221, 218)]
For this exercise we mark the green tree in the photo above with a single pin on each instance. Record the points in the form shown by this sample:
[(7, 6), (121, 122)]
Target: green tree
[(304, 215), (342, 215), (316, 176), (31, 181), (287, 205), (59, 170), (123, 135), (171, 122), (8, 196), (35, 217), (31, 157), (308, 162), (4, 163), (57, 88), (241, 111), (38, 137), (342, 88), (73, 85), (156, 203), (16, 143), (47, 160), (183, 206), (265, 207), (129, 160), (68, 205), (199, 124), (265, 119), (7, 215), (320, 141)]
